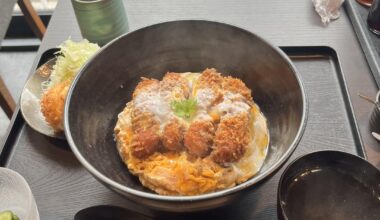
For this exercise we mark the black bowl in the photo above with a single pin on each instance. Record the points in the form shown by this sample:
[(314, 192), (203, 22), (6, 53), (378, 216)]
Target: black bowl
[(105, 84), (329, 185)]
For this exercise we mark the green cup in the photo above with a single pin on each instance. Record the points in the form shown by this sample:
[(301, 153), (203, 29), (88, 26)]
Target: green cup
[(101, 21)]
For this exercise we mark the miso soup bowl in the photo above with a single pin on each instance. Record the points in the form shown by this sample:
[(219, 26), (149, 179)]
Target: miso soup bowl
[(105, 84)]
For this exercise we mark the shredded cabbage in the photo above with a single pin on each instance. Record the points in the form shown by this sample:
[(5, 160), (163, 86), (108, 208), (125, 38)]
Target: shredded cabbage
[(71, 57)]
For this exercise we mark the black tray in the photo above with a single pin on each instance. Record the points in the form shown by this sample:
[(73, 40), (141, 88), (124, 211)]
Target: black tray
[(369, 42), (62, 186)]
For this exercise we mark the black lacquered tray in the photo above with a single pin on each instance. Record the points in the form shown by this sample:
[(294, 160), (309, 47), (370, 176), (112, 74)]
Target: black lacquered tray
[(62, 186), (369, 42)]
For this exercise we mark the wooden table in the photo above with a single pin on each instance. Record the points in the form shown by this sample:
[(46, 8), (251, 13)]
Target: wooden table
[(284, 23)]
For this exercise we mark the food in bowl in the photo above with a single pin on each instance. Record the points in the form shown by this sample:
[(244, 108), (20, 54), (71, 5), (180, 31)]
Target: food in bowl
[(192, 133), (71, 56)]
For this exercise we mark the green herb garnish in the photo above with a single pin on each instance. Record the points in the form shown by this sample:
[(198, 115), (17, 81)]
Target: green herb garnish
[(184, 108)]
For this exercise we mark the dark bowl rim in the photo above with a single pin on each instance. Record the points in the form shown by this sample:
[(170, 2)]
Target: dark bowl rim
[(255, 179), (291, 164)]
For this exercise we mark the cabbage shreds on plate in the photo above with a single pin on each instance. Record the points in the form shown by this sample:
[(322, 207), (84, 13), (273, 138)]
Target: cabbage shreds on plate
[(70, 59)]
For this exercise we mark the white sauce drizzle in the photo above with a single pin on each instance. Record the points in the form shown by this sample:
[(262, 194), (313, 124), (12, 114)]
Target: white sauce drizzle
[(233, 104), (204, 98), (156, 103)]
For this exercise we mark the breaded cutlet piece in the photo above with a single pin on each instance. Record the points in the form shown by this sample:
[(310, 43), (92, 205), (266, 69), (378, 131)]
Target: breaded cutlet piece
[(144, 85), (237, 86), (145, 143), (175, 84), (172, 136), (199, 138), (142, 121), (52, 105), (231, 139), (210, 78), (145, 138), (145, 123)]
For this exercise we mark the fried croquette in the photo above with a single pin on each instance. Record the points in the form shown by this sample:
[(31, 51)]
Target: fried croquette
[(67, 63), (52, 105)]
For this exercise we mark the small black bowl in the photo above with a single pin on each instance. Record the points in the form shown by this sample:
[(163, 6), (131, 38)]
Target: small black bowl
[(329, 185)]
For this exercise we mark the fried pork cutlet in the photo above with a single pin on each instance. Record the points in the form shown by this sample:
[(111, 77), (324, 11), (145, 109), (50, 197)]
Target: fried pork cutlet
[(172, 136), (199, 138), (145, 143), (145, 139), (210, 81), (191, 133), (145, 85), (175, 85), (210, 78), (237, 86), (147, 116), (52, 105), (231, 139)]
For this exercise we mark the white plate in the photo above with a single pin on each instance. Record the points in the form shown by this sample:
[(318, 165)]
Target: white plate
[(30, 101)]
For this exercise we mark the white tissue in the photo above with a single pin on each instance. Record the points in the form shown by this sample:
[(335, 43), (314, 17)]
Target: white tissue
[(327, 9)]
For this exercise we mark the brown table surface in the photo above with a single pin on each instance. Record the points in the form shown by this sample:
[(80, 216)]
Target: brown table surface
[(284, 23)]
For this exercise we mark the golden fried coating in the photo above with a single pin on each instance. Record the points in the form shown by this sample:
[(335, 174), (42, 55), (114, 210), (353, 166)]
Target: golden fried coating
[(142, 121), (145, 143), (52, 105), (231, 139), (210, 78), (199, 138), (174, 83), (172, 136), (145, 139), (145, 84), (236, 85)]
